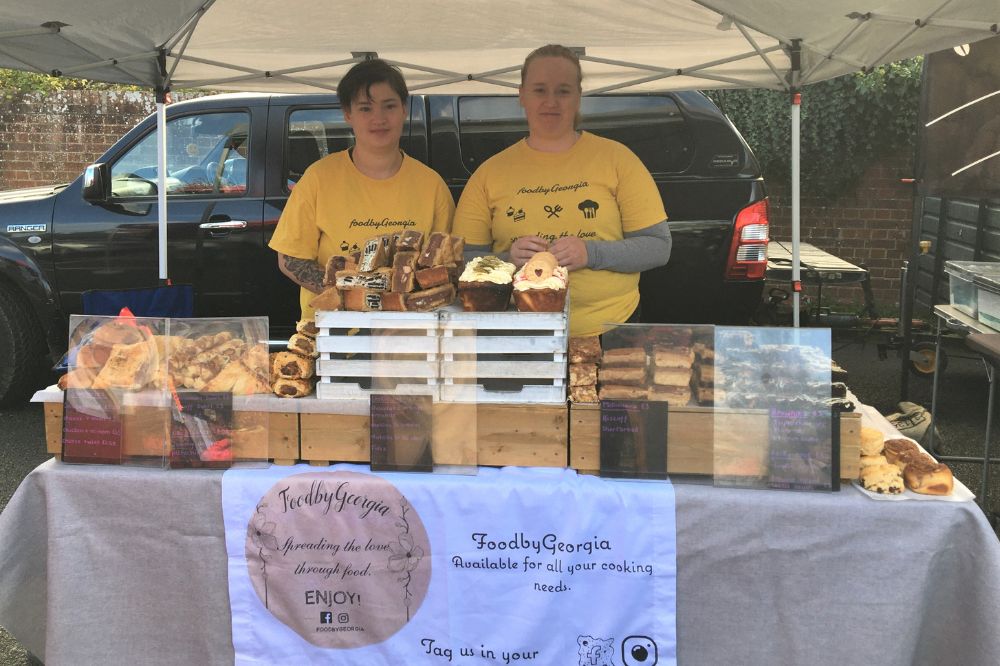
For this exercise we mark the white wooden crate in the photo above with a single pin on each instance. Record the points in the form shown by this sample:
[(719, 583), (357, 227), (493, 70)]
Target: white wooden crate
[(361, 353), (499, 357)]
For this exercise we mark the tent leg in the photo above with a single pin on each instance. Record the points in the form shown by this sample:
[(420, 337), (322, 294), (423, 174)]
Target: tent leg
[(161, 181), (796, 221)]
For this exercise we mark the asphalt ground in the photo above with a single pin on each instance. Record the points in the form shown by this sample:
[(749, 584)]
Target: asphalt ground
[(961, 421)]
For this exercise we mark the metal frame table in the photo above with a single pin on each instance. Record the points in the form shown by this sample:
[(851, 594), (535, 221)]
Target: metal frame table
[(948, 315)]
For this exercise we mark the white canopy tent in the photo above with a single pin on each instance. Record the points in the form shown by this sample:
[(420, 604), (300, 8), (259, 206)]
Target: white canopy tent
[(478, 45)]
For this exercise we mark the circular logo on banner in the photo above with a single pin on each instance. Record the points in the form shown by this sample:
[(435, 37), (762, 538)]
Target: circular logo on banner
[(342, 558)]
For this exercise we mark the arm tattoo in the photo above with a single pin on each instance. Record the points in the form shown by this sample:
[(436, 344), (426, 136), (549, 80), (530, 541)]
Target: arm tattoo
[(306, 272)]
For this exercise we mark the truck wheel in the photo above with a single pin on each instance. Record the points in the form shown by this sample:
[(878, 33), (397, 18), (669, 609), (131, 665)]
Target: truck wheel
[(22, 349)]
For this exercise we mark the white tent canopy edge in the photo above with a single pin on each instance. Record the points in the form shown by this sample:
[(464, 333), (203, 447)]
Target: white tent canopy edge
[(649, 45)]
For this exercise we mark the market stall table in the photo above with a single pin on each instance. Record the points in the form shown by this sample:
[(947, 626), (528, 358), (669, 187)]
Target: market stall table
[(107, 564), (950, 317)]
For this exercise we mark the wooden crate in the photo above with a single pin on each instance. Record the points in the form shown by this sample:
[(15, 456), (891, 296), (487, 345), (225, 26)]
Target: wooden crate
[(691, 431), (364, 352), (506, 434), (145, 434), (503, 357)]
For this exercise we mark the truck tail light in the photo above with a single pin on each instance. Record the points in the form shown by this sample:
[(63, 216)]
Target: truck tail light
[(748, 253)]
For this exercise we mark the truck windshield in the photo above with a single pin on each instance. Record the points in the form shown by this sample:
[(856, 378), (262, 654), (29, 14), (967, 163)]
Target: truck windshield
[(206, 154)]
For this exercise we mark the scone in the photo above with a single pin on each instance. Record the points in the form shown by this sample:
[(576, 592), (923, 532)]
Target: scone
[(871, 441), (882, 479), (868, 461)]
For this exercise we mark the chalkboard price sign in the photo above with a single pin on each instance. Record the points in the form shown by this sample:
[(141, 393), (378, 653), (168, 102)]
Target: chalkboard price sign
[(804, 451), (401, 432), (92, 427), (634, 439), (201, 431)]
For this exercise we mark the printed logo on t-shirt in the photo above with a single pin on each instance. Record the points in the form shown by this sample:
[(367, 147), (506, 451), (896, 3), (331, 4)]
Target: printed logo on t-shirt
[(518, 215), (384, 222), (554, 188), (589, 208), (553, 211)]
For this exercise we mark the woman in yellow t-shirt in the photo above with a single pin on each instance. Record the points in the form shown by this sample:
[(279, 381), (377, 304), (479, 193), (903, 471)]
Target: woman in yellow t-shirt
[(371, 189), (586, 199)]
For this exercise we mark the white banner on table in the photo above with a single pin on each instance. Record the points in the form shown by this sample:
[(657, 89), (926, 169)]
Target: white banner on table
[(536, 566)]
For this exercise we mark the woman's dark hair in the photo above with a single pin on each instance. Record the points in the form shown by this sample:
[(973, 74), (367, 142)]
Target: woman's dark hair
[(554, 51), (364, 75)]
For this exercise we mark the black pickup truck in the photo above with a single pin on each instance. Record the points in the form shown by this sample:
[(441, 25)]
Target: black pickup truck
[(233, 159)]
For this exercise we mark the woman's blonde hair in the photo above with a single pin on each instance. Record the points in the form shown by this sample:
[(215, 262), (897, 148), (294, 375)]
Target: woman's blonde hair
[(554, 51)]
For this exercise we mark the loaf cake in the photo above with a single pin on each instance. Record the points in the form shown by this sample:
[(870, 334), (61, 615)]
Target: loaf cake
[(541, 284), (486, 285)]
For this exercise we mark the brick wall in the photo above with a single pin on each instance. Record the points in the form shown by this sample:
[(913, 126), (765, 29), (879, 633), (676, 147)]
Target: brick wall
[(49, 138), (870, 226)]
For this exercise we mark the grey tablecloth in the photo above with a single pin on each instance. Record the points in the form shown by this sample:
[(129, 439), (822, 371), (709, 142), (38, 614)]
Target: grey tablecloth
[(115, 565)]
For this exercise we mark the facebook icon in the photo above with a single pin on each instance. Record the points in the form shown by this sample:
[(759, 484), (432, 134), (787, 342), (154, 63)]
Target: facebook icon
[(325, 617)]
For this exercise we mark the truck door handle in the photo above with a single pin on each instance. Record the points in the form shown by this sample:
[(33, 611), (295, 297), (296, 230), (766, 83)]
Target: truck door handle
[(223, 225)]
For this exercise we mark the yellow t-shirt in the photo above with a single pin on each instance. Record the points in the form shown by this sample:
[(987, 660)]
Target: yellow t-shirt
[(334, 209), (597, 190)]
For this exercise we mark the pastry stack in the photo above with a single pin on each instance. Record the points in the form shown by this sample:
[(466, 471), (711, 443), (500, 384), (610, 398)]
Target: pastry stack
[(889, 466), (703, 374), (293, 371), (584, 357), (623, 374), (921, 473), (877, 475), (394, 273), (672, 367), (127, 357)]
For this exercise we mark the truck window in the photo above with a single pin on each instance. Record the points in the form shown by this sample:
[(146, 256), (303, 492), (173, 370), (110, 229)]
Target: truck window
[(206, 154), (312, 134), (651, 125)]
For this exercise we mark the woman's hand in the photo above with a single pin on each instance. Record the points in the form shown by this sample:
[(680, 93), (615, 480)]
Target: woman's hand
[(570, 252), (525, 247)]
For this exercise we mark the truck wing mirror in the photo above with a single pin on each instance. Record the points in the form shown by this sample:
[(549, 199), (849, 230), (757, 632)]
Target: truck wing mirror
[(96, 184)]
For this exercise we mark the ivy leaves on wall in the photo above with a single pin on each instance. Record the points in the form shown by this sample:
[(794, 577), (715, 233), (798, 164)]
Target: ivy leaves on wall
[(14, 82), (847, 124)]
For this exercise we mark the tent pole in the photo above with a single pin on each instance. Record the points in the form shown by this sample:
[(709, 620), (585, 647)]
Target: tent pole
[(795, 53), (161, 179), (796, 203)]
